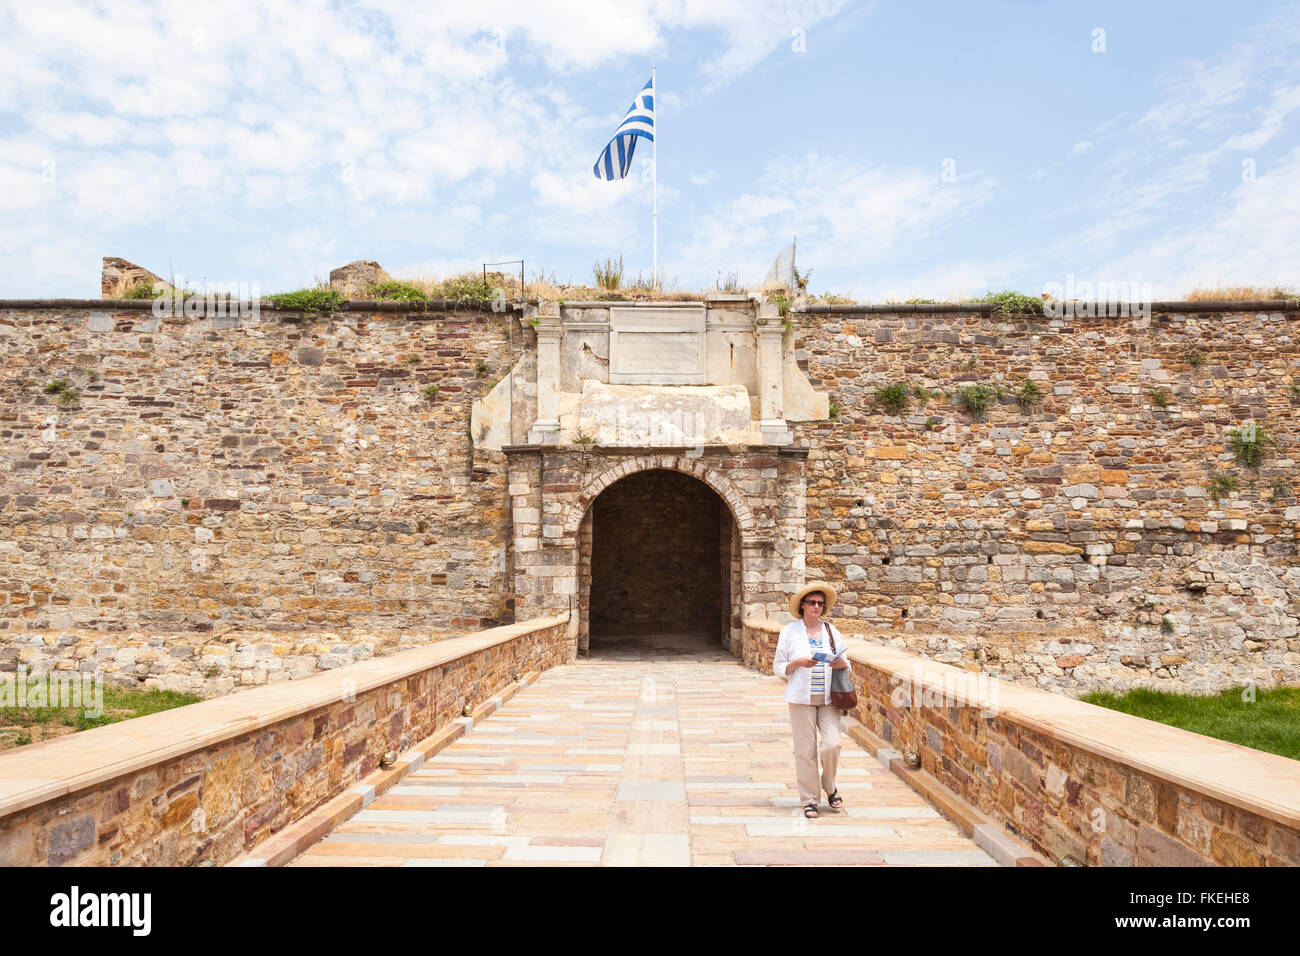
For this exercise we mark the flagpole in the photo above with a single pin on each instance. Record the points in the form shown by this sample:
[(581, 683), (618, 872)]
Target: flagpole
[(654, 173)]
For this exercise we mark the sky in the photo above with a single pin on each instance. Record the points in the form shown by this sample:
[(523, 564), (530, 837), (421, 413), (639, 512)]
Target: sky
[(935, 149)]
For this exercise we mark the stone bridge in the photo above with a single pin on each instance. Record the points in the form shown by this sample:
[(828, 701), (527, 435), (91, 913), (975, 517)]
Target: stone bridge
[(505, 747)]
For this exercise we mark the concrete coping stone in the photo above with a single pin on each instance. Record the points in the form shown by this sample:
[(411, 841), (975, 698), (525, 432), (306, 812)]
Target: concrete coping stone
[(1256, 305), (55, 768), (467, 305), (348, 305), (1261, 783)]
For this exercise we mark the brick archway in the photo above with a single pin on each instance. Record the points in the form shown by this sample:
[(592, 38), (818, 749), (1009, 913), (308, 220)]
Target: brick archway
[(552, 490), (689, 548), (591, 489)]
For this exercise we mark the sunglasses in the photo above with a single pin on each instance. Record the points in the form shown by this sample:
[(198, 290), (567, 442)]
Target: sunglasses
[(816, 603)]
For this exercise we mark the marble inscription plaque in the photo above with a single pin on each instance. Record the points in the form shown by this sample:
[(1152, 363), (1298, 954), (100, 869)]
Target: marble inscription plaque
[(657, 346)]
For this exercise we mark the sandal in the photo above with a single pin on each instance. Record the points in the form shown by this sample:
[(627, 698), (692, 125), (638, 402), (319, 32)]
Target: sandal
[(810, 811), (835, 800)]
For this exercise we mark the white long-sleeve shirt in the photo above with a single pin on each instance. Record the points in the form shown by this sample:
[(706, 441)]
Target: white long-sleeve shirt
[(793, 645)]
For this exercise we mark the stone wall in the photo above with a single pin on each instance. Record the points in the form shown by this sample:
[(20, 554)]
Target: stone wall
[(286, 473), (281, 472), (655, 554), (205, 663), (215, 779), (1075, 541)]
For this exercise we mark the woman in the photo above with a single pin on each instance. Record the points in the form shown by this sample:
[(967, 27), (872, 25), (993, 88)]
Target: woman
[(808, 692)]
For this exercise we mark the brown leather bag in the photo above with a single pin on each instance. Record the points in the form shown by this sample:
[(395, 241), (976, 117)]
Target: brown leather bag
[(843, 695)]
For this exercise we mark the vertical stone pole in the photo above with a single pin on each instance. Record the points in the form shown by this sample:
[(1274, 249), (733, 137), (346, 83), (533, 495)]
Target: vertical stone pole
[(524, 488), (585, 535), (545, 430), (791, 519), (771, 398)]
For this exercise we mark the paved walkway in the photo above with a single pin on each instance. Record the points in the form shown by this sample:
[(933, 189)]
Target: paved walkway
[(640, 760)]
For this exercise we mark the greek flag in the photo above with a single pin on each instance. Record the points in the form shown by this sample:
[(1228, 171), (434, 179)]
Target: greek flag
[(616, 160)]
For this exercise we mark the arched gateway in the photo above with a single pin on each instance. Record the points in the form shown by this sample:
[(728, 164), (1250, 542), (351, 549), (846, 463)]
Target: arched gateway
[(643, 420), (660, 557), (647, 534)]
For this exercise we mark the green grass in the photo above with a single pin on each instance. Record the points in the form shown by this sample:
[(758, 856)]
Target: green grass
[(17, 723), (1271, 722), (141, 290), (471, 286), (608, 274), (308, 300), (1009, 303), (400, 291)]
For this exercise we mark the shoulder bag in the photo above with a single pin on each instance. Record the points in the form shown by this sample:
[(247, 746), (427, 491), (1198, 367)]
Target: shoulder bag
[(843, 695)]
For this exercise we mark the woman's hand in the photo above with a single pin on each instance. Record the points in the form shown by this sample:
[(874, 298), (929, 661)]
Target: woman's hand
[(840, 664), (803, 662)]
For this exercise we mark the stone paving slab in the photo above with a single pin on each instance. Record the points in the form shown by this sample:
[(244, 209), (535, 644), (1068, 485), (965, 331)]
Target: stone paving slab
[(640, 763)]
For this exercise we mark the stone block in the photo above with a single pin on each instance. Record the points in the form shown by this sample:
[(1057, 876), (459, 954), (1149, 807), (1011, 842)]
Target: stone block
[(70, 838), (1159, 849)]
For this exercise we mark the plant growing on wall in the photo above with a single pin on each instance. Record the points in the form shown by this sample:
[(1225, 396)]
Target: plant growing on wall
[(397, 291), (976, 399), (431, 392), (1222, 485), (1161, 398), (325, 301), (609, 274), (1248, 443), (1009, 303), (62, 388), (1196, 360), (894, 397), (470, 287), (1029, 394), (833, 410)]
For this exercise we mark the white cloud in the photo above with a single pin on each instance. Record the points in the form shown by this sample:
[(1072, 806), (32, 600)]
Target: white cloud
[(1252, 241), (383, 112), (848, 215)]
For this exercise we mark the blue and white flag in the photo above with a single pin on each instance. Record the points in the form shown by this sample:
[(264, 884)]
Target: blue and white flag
[(616, 160)]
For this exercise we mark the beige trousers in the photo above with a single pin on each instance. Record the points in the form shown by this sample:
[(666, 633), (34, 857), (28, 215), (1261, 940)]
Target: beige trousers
[(807, 720)]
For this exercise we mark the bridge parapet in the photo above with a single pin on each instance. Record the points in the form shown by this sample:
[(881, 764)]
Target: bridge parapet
[(1071, 779), (214, 779)]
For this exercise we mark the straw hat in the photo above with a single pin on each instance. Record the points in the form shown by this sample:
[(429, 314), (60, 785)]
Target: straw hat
[(809, 588)]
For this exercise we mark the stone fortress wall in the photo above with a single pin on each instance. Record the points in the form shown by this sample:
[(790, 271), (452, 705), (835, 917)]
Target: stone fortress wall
[(289, 474), (1076, 541)]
